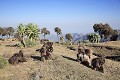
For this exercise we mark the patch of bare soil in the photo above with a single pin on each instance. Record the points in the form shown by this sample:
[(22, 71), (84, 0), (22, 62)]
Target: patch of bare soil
[(62, 66)]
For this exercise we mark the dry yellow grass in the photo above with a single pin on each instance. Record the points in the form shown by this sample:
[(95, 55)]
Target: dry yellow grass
[(60, 68), (112, 43)]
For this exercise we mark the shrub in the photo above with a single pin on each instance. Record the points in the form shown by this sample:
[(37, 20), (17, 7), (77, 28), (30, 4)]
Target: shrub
[(65, 43), (29, 43), (3, 62)]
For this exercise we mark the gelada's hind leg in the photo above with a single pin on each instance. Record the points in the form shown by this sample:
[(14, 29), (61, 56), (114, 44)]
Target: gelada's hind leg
[(101, 69), (93, 67), (43, 58), (49, 57)]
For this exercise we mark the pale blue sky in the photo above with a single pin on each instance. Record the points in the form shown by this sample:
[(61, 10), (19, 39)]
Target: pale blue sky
[(70, 15)]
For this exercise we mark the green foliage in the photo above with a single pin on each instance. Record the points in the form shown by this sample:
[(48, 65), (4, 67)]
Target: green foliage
[(10, 31), (106, 31), (6, 31), (21, 34), (93, 37), (29, 43), (57, 30), (61, 39), (1, 29), (21, 31), (3, 62), (69, 37), (31, 31), (65, 43), (45, 32)]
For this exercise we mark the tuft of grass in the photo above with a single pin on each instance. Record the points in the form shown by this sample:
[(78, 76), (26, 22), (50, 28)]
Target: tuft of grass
[(3, 62)]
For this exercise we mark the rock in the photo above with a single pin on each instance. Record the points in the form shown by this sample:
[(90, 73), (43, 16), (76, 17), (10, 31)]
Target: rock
[(36, 76)]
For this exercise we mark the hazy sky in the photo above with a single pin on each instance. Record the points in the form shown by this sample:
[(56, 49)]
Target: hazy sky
[(70, 15)]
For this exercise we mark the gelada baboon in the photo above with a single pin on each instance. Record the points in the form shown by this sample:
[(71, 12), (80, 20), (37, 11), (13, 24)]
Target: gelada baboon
[(84, 55), (89, 53), (97, 64), (48, 55), (14, 59), (17, 57), (43, 52), (46, 51), (49, 50), (85, 60), (88, 58), (81, 50), (49, 46), (21, 56)]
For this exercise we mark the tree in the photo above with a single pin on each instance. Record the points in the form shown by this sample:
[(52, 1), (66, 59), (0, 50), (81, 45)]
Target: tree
[(32, 31), (58, 31), (10, 31), (21, 34), (105, 31), (45, 32), (4, 32), (93, 37), (69, 37), (1, 31), (61, 39)]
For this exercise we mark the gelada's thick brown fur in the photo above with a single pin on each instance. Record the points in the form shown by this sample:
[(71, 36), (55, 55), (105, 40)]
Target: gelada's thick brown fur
[(97, 64), (17, 57)]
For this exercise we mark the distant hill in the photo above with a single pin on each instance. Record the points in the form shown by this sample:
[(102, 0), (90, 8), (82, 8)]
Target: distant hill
[(118, 31), (51, 37), (76, 37), (119, 34)]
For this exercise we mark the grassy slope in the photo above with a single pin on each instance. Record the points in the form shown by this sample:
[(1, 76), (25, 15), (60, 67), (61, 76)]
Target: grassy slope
[(57, 69)]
